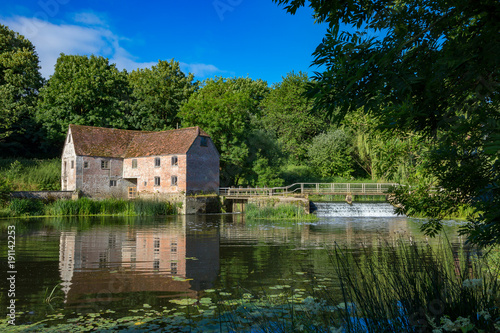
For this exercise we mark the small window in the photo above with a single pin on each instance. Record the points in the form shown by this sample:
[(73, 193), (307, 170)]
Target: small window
[(112, 183), (173, 268), (173, 180), (157, 162), (204, 141), (157, 181), (175, 161), (145, 183), (69, 138), (86, 165), (104, 164), (72, 164), (134, 164)]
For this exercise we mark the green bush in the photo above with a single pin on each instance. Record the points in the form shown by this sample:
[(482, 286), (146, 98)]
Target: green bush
[(30, 207), (281, 212), (32, 174)]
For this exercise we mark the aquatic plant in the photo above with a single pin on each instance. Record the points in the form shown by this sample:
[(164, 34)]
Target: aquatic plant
[(280, 212)]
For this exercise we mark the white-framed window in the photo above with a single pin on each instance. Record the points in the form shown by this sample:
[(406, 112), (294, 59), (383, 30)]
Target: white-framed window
[(134, 163), (157, 162), (104, 164), (112, 183), (173, 180), (175, 161), (157, 181)]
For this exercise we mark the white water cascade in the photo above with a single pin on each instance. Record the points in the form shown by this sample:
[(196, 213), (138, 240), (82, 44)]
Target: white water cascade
[(357, 209)]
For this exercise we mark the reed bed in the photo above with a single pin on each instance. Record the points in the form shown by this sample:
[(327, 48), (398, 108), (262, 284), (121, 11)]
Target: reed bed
[(281, 212), (89, 207)]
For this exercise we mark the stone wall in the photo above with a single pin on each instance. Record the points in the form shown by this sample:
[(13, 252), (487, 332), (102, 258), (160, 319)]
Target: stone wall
[(202, 167), (146, 171), (44, 195), (209, 204)]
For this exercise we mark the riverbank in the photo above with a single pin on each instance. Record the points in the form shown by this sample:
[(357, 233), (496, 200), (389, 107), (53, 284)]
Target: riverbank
[(86, 207)]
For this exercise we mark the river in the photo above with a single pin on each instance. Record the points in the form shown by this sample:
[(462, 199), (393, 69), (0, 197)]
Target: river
[(92, 264)]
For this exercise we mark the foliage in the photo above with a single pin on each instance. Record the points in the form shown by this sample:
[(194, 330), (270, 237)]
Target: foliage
[(31, 174), (287, 112), (23, 207), (279, 212), (86, 207), (83, 91), (20, 81), (413, 289), (330, 154), (157, 95), (5, 189), (224, 108), (382, 154), (430, 67)]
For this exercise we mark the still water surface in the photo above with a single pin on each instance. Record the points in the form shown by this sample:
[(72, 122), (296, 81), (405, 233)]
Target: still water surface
[(122, 263)]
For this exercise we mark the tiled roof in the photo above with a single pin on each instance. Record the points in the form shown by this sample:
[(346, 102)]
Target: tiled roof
[(110, 142)]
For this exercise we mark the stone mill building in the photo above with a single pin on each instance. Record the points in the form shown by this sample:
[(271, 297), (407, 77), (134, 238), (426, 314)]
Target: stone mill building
[(107, 162)]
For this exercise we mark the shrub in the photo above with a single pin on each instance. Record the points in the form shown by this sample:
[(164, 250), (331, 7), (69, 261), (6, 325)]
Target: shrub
[(26, 207)]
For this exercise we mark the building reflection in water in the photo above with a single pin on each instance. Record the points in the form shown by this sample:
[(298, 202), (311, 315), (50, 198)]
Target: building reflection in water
[(170, 260)]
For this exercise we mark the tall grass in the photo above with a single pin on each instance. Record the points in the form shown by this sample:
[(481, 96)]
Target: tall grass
[(408, 288), (281, 212), (89, 207), (31, 174)]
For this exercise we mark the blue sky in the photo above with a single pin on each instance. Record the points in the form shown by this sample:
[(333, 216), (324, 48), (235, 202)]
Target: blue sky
[(228, 38)]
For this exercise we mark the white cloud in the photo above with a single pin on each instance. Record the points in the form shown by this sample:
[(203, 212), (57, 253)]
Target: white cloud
[(90, 19), (51, 40), (199, 70)]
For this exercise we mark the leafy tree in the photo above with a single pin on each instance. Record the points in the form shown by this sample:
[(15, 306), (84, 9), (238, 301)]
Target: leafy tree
[(330, 154), (225, 109), (83, 91), (20, 81), (157, 95), (287, 112), (428, 66), (384, 155)]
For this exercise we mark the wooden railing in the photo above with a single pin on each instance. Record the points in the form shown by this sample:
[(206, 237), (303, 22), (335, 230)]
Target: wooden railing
[(311, 188)]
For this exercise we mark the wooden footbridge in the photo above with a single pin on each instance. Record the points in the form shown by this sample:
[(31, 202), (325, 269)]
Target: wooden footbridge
[(310, 189)]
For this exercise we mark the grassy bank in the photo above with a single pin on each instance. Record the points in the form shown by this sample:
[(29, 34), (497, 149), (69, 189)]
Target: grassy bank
[(31, 174), (280, 212), (87, 207)]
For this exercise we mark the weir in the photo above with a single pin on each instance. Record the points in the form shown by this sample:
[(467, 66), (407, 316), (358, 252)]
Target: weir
[(356, 209)]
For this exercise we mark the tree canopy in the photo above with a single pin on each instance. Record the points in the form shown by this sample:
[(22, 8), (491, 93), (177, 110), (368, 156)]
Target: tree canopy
[(425, 66), (83, 91), (288, 112), (157, 94), (226, 109), (20, 80)]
